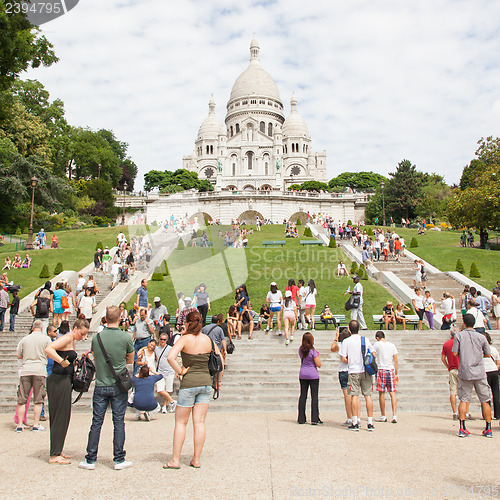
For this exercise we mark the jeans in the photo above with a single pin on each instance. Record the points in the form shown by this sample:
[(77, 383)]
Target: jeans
[(304, 386), (100, 401), (2, 317), (138, 344), (12, 322), (492, 378)]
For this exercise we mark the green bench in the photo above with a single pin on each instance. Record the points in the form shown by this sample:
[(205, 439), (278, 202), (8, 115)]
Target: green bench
[(411, 320), (311, 242), (273, 243), (339, 318)]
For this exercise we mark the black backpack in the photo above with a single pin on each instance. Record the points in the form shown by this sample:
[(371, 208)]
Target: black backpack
[(42, 307), (83, 374), (214, 367)]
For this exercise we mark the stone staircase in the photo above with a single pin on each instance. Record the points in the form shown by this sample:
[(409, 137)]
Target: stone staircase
[(263, 375)]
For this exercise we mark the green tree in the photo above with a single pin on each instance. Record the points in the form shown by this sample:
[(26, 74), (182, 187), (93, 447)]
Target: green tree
[(311, 186), (173, 182), (434, 197), (359, 181)]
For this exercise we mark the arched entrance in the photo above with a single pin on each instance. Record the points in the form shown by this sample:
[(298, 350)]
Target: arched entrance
[(201, 217), (265, 187), (249, 216), (302, 216), (249, 187)]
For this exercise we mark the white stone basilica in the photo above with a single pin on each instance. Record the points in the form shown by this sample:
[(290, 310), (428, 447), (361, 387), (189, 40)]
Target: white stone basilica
[(257, 148)]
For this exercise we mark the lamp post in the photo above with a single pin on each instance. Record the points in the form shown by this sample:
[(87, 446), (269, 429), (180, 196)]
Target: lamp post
[(99, 171), (382, 185), (33, 183), (123, 213)]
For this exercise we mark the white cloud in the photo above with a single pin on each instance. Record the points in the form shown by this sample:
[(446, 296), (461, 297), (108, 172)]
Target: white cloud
[(376, 82)]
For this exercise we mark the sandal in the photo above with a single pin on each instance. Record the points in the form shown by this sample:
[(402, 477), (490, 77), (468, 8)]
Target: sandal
[(166, 466), (60, 461)]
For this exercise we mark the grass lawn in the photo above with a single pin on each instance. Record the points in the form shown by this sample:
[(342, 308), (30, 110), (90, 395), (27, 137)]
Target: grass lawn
[(76, 250), (257, 266), (442, 249)]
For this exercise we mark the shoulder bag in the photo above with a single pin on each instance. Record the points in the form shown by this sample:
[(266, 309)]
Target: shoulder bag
[(122, 378), (214, 367), (369, 362)]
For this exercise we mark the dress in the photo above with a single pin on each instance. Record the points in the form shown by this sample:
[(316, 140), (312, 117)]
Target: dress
[(57, 300), (496, 306)]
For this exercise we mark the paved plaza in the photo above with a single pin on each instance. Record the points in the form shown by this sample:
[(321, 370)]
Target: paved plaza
[(262, 455)]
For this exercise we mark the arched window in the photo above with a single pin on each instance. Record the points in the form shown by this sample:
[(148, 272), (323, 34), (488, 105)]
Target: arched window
[(263, 127), (297, 147), (237, 127), (208, 149), (232, 131), (270, 130), (234, 169), (250, 160), (211, 150), (266, 168), (233, 164), (293, 147)]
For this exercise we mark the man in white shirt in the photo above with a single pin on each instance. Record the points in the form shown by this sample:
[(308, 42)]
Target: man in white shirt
[(357, 312), (387, 375), (358, 380), (480, 322)]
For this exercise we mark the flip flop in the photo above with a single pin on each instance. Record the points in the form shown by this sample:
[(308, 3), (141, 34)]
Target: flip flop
[(65, 456), (166, 466), (194, 466), (60, 462)]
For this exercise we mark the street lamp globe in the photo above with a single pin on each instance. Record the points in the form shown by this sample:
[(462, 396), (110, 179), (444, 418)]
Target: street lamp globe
[(34, 182)]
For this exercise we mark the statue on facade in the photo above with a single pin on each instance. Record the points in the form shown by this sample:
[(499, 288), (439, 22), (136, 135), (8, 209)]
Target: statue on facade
[(219, 166), (278, 165)]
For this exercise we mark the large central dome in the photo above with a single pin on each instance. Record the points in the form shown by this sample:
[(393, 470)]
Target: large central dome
[(254, 80)]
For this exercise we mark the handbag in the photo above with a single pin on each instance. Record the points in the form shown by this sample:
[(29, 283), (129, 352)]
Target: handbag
[(64, 302), (353, 302), (122, 378), (83, 374), (214, 367), (369, 362), (230, 346)]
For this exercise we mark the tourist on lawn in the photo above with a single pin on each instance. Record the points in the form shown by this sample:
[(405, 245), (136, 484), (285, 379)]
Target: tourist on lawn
[(26, 262), (274, 299), (389, 316), (17, 262), (289, 316), (196, 388), (342, 270), (309, 378), (55, 242), (418, 306), (310, 300), (430, 309), (357, 312), (7, 264), (343, 372), (60, 388)]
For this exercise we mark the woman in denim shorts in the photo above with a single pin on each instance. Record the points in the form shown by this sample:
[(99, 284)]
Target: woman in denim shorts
[(196, 387)]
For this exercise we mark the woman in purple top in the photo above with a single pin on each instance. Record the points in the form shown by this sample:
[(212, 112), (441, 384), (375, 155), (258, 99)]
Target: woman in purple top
[(309, 377)]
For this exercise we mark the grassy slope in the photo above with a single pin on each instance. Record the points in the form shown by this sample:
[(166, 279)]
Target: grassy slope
[(442, 249), (76, 250), (264, 265)]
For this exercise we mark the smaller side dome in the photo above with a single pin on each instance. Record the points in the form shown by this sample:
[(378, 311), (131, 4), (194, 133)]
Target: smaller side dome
[(211, 126), (294, 125)]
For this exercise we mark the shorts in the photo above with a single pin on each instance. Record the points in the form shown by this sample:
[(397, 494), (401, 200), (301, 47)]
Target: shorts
[(166, 384), (289, 315), (420, 314), (276, 309), (35, 382), (386, 381), (360, 383), (398, 251), (245, 327), (310, 306), (114, 278), (453, 382), (343, 378), (480, 386), (187, 398)]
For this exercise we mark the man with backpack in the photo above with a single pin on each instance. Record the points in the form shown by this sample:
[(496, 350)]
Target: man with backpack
[(41, 308), (359, 381)]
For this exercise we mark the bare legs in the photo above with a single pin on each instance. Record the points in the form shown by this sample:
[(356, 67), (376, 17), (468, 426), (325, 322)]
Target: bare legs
[(347, 404), (199, 432), (394, 403)]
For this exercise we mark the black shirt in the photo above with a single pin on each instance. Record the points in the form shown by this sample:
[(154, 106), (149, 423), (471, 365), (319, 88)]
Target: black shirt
[(14, 305)]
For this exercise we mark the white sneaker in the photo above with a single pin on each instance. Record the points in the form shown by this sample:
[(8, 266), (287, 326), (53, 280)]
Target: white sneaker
[(394, 420), (287, 342), (123, 465), (381, 419), (347, 423), (19, 428), (39, 428), (291, 337), (172, 406), (86, 465), (164, 409)]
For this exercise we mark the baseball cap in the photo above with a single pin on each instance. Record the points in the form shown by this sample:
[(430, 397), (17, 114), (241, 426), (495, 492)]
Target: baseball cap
[(355, 277), (187, 299), (273, 283), (157, 299), (288, 293)]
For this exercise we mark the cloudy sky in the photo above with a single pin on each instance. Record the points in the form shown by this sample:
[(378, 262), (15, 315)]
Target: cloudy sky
[(377, 81)]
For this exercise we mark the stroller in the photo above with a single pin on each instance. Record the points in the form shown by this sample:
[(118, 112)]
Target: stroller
[(124, 274)]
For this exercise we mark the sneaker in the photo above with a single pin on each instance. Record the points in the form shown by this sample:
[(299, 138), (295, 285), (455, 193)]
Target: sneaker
[(455, 416), (463, 433), (146, 417), (267, 330), (87, 465), (469, 417), (487, 433), (291, 337), (347, 423), (394, 420), (122, 465), (353, 427), (382, 418), (172, 406), (164, 409), (371, 427), (280, 333), (39, 428), (19, 428), (287, 342)]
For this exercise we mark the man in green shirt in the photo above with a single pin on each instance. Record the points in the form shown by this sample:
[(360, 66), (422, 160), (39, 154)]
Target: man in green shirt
[(106, 260), (118, 345)]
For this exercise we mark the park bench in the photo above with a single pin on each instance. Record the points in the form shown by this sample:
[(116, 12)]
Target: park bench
[(273, 243), (311, 242), (339, 318), (410, 320)]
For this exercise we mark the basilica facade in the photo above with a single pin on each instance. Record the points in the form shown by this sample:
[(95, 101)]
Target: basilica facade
[(256, 148)]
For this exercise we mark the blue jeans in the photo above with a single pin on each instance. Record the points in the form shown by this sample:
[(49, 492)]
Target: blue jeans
[(12, 322), (138, 344), (2, 317), (100, 401)]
